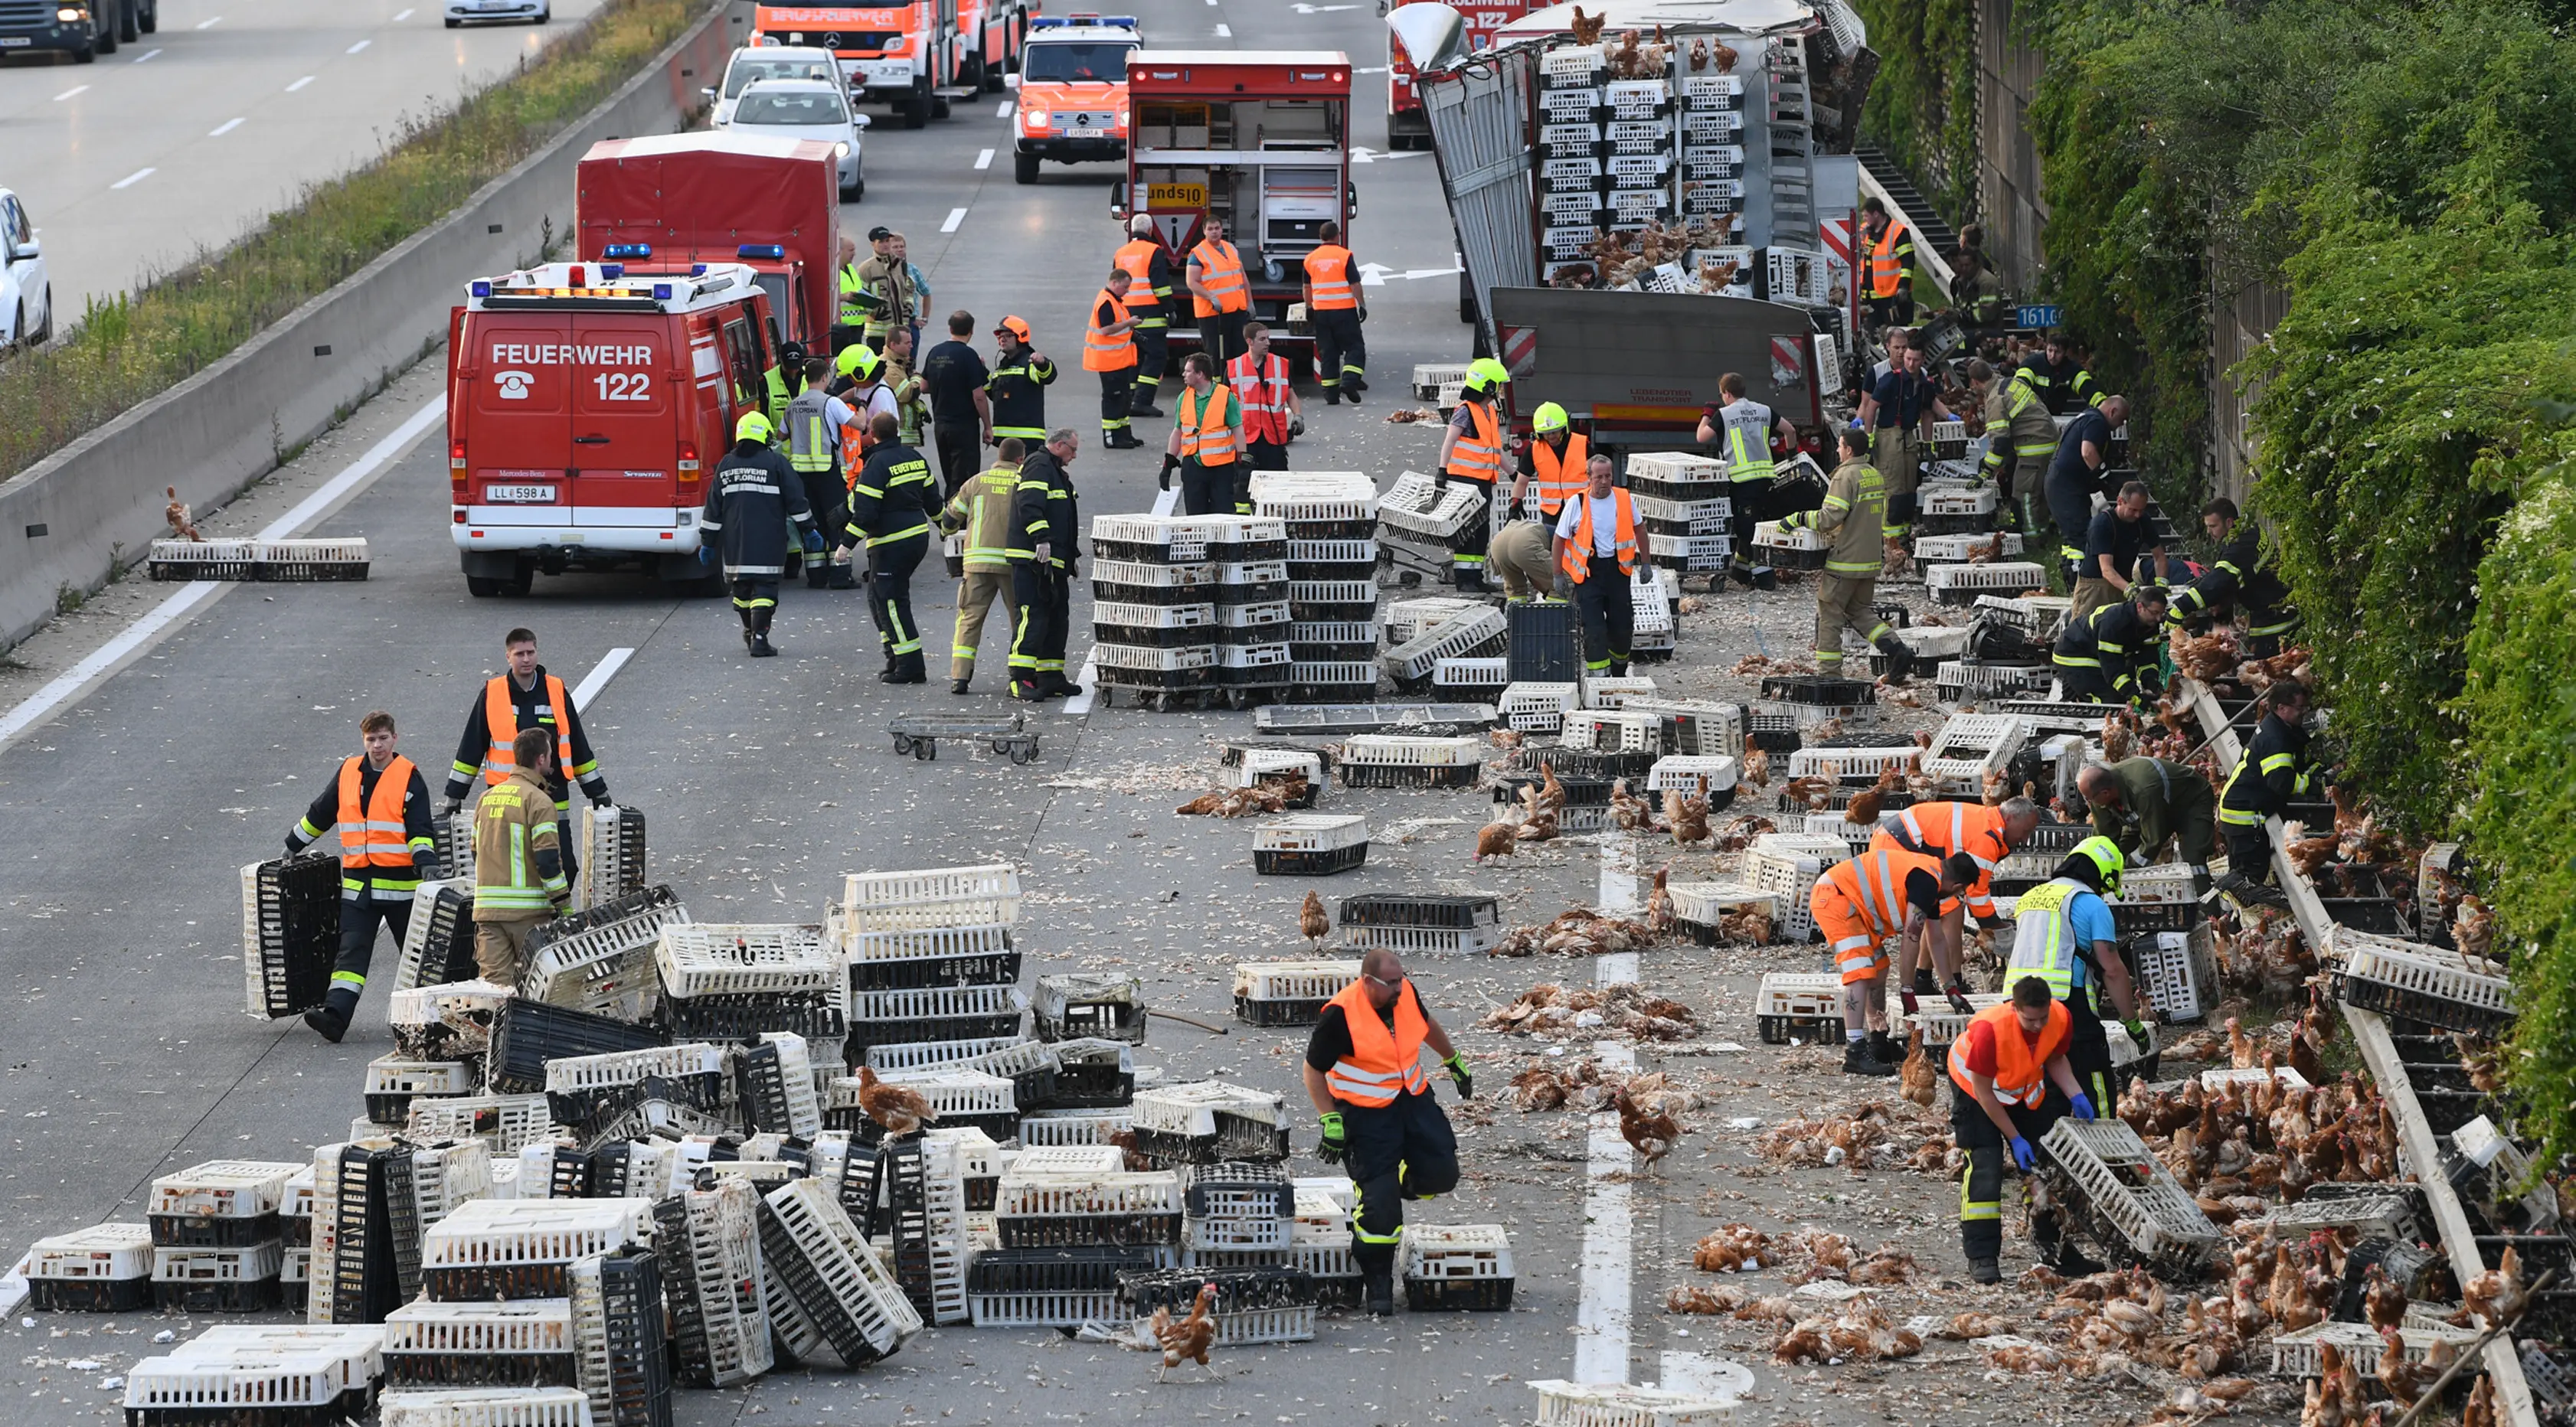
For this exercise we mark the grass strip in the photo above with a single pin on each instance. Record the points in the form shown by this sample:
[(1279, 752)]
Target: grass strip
[(131, 348)]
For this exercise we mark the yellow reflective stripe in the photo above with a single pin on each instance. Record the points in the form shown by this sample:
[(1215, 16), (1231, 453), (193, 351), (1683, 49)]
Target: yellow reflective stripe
[(2278, 761)]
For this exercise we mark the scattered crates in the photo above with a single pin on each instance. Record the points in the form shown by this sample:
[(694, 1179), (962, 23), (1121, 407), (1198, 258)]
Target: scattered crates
[(528, 1343), (1539, 707), (1413, 923), (1288, 993), (774, 1086), (1795, 1005), (290, 933), (1701, 906), (438, 941), (701, 959), (1388, 760), (2123, 1195), (106, 1268), (2376, 975), (450, 1022), (503, 1248), (613, 854), (708, 1245), (1854, 766), (201, 1280), (1206, 1121), (1959, 585), (1457, 1266), (617, 1322), (2167, 974), (832, 1274), (1467, 634), (1120, 1207), (1310, 844), (939, 1013)]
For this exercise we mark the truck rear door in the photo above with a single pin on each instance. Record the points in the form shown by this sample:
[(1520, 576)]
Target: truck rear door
[(623, 436), (515, 396)]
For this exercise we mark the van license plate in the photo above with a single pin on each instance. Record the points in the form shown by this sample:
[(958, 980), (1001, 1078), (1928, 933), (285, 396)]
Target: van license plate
[(519, 495), (11, 42)]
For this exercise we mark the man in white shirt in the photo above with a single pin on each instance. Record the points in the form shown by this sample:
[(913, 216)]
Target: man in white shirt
[(1596, 547)]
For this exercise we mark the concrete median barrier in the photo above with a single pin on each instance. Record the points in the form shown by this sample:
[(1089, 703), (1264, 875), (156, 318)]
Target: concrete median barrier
[(71, 519)]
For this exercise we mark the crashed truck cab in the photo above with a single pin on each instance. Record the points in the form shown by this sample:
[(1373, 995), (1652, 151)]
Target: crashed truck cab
[(584, 407)]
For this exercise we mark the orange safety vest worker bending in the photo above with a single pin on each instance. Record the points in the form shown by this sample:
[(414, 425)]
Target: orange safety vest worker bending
[(1365, 1078), (1860, 903)]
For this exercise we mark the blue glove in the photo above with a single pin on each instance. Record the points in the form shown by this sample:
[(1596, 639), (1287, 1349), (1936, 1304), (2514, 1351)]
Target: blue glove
[(706, 554), (2023, 1159), (2080, 1105), (813, 542)]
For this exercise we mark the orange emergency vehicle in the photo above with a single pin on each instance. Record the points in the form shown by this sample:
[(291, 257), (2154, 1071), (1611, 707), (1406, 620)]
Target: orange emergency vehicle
[(1073, 92), (909, 56)]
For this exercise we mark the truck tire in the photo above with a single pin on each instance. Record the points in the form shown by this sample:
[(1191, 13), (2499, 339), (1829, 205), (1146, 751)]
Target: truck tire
[(150, 23), (939, 106), (104, 28), (482, 587), (1024, 168), (916, 106), (993, 73), (129, 25)]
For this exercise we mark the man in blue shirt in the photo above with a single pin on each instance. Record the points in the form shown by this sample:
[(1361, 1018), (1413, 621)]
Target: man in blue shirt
[(2064, 935), (2113, 542), (1897, 409), (2077, 471)]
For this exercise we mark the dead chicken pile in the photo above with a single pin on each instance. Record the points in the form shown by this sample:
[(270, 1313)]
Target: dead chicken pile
[(1579, 932), (1876, 1134), (1557, 1012)]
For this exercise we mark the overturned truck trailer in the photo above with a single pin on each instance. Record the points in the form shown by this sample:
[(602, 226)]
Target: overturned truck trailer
[(1638, 218)]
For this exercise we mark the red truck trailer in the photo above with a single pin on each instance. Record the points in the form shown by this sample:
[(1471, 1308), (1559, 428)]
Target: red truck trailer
[(659, 205), (1257, 139)]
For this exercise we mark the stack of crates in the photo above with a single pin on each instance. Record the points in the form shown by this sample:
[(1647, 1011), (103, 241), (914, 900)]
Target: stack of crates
[(732, 981), (1038, 1206), (259, 1373), (1413, 923), (1712, 160), (1260, 1304), (926, 928), (295, 1231), (708, 1244), (832, 1277), (1573, 147), (518, 1343), (1053, 1286), (612, 854), (1206, 1121), (1457, 1266), (1694, 497), (1787, 864), (290, 934), (601, 960), (1104, 1005), (1392, 760), (1319, 1242), (1332, 582), (1430, 521), (105, 1268), (1654, 625), (1153, 589), (1288, 993), (217, 1245), (1249, 555), (1236, 1212), (617, 1324)]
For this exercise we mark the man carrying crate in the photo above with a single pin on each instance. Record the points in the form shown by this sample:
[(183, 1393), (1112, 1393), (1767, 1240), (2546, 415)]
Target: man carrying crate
[(381, 806), (2001, 1070), (519, 878), (527, 697)]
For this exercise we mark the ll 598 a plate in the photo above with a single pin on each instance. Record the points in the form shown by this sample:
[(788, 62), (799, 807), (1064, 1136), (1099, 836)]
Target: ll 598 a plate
[(519, 495)]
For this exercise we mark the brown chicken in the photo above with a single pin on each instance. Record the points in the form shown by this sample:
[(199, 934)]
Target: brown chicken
[(1757, 768), (1722, 1299), (1497, 840), (1916, 1079), (1651, 1136), (2405, 1381), (1125, 1140), (1660, 917), (1628, 812), (1993, 788), (2497, 1295), (1810, 793), (1311, 921), (1733, 1248), (1698, 53), (1186, 1341), (1723, 55), (2473, 928), (2480, 1411), (1587, 28), (1624, 60), (899, 1108), (1686, 817), (1865, 804), (181, 525), (1539, 1088), (1268, 796)]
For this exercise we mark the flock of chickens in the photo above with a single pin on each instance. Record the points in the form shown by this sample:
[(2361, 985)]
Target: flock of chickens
[(1620, 256), (1650, 1105)]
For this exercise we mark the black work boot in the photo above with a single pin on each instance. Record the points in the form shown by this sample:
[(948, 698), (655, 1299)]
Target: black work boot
[(331, 1018), (1332, 396), (1884, 1049), (744, 615), (1377, 1293), (1985, 1271), (1900, 660), (760, 646), (960, 686), (1351, 389), (1858, 1061), (1144, 402)]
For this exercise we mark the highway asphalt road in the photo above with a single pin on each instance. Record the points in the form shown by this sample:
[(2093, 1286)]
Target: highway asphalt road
[(127, 1053), (182, 141)]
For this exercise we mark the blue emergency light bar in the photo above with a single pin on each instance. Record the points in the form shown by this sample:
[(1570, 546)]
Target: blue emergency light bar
[(772, 251), (697, 269), (627, 250), (661, 292), (1056, 22), (611, 272), (481, 289)]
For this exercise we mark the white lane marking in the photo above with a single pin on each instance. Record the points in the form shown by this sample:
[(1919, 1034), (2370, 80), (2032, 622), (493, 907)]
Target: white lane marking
[(1602, 1313), (299, 84), (1003, 110), (210, 24), (956, 216), (1304, 9), (362, 44), (405, 15), (589, 688), (223, 128), (68, 93), (1225, 32), (1090, 682), (1618, 899), (147, 54), (134, 178), (984, 159), (111, 656)]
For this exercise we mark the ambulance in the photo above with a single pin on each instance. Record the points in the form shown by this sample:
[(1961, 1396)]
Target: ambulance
[(1073, 92), (910, 56), (585, 407)]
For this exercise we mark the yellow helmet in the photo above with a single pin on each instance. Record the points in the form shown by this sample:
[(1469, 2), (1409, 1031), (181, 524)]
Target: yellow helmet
[(2106, 859), (752, 427), (856, 360), (1492, 371), (1549, 417)]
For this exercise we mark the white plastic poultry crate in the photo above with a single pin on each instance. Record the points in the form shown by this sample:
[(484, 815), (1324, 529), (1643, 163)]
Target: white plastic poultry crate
[(485, 1407), (1614, 691), (2295, 1353), (709, 1244), (949, 1012), (1429, 377), (1401, 750), (1699, 727), (1575, 1404), (1961, 584), (1696, 517), (514, 1328), (1613, 730), (1787, 865), (1855, 766), (1408, 619), (1310, 844), (1416, 507), (1675, 468), (721, 958), (987, 894), (1154, 584), (1691, 773), (2127, 1193), (1970, 746), (1797, 549), (1688, 552), (1945, 497), (1854, 836), (1041, 1129), (835, 1278), (1152, 616), (607, 967), (1191, 1110), (883, 1057), (1701, 906), (1539, 707), (1458, 636), (575, 1074), (1478, 673), (223, 1189), (2379, 976), (505, 1122), (1288, 993), (954, 1092), (101, 1251), (247, 1383), (499, 1235), (1271, 616), (1174, 539), (1257, 764), (1959, 549), (1960, 679)]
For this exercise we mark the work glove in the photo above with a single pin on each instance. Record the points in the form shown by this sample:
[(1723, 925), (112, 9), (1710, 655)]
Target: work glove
[(1330, 1147), (1296, 426), (1515, 513), (424, 865), (1045, 553), (1466, 1083), (291, 848), (1912, 1006), (454, 806), (1439, 488), (1957, 991), (2080, 1105), (706, 554), (1171, 463), (601, 800), (2138, 1035), (813, 542), (2023, 1159)]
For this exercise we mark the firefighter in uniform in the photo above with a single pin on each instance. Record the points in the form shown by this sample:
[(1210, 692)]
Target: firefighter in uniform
[(2240, 578), (1148, 265), (2063, 933), (887, 277), (1988, 836), (526, 697), (1043, 516), (982, 508), (1333, 310), (1109, 348), (1747, 427), (1557, 460), (387, 846), (2143, 803), (1888, 281), (1858, 904), (2002, 1068), (519, 881), (2275, 769), (817, 423), (1206, 443), (2110, 655), (1220, 294), (2059, 377), (1272, 415), (891, 508), (1364, 1076), (1017, 387), (749, 504), (1846, 592), (1471, 450), (1596, 547), (2020, 440), (850, 319)]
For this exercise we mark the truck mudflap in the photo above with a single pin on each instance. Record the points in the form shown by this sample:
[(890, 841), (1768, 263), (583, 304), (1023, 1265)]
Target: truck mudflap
[(1648, 363)]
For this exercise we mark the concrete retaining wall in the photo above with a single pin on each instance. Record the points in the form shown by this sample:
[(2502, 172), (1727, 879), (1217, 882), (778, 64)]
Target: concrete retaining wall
[(70, 518)]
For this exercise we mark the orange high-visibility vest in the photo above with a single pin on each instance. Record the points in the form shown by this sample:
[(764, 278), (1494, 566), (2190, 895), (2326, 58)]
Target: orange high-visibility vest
[(1263, 394), (2021, 1065), (1947, 827), (1220, 272), (1874, 884), (1136, 259), (1102, 352), (1477, 454), (1204, 433), (1884, 269), (1560, 476), (1579, 549), (1385, 1061), (501, 720), (372, 835), (1328, 271)]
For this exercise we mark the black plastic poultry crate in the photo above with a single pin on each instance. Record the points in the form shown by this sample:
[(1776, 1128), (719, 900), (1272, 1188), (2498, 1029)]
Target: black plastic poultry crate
[(921, 973), (1817, 689), (297, 919), (1263, 1177), (1410, 775), (190, 1231), (254, 1295), (732, 1018), (1238, 1290), (1541, 637), (1457, 1295), (427, 1370), (1411, 909), (526, 1034), (89, 1295), (1601, 765), (1068, 1268), (639, 1363)]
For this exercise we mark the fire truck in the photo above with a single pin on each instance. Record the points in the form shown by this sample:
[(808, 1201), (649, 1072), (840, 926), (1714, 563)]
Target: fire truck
[(1258, 140), (910, 56), (1073, 92), (1406, 125), (993, 32), (583, 405)]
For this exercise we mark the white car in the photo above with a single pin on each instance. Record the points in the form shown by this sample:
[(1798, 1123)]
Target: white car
[(535, 12), (804, 109), (26, 298), (758, 62)]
